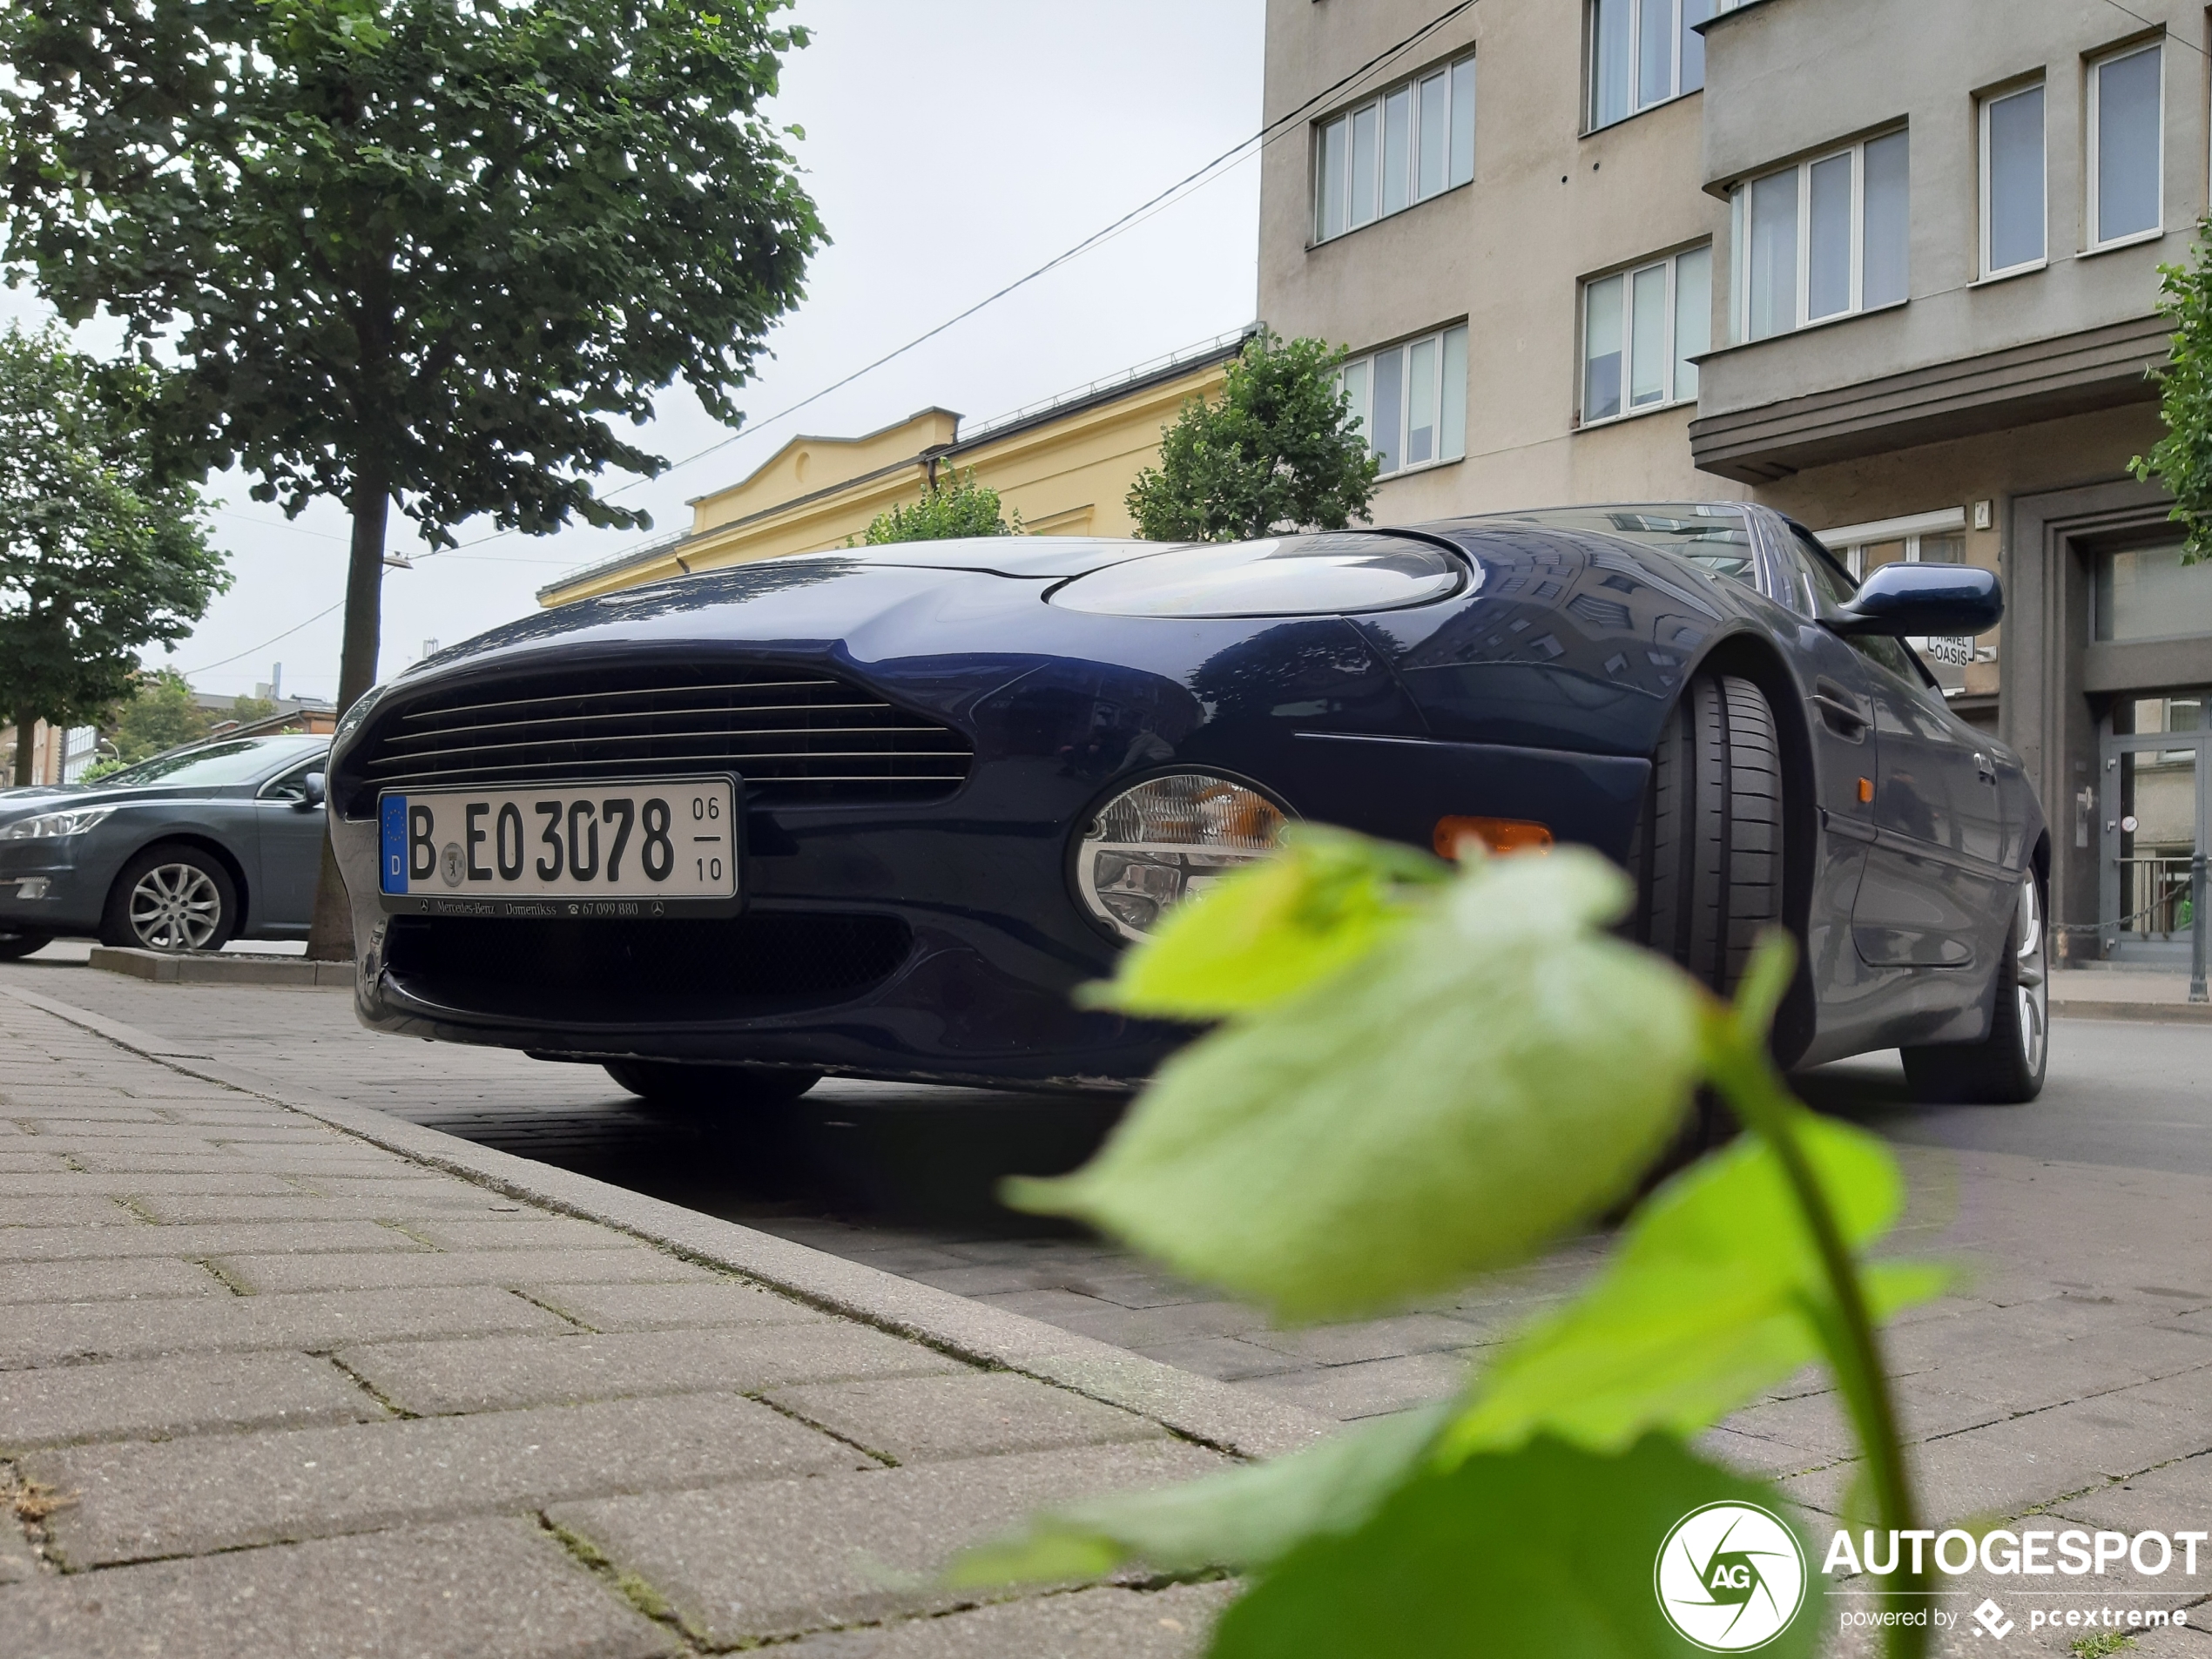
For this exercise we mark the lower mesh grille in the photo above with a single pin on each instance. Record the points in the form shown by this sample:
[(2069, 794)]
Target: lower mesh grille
[(603, 973)]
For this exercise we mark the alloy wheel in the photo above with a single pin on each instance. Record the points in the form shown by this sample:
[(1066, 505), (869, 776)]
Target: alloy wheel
[(2032, 987), (175, 906)]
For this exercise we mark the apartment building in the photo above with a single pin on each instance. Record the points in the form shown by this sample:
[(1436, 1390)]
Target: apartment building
[(1889, 265)]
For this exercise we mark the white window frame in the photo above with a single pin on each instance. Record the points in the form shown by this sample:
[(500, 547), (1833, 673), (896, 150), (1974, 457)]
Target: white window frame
[(1739, 305), (1989, 102), (1627, 275), (1378, 104), (1366, 416), (1590, 121), (2091, 95)]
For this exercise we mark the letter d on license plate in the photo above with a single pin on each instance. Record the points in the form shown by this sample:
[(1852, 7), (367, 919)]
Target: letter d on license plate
[(612, 848)]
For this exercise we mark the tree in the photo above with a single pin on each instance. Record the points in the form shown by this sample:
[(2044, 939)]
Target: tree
[(161, 714), (953, 506), (2183, 459), (408, 251), (99, 555), (1279, 451)]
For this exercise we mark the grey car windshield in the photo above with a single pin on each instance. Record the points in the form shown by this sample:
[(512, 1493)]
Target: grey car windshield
[(239, 761)]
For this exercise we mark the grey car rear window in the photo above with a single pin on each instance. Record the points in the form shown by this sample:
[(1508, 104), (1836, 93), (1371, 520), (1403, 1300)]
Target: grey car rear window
[(239, 761)]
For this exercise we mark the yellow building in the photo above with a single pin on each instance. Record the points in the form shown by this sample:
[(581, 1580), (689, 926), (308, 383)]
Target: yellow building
[(1065, 465)]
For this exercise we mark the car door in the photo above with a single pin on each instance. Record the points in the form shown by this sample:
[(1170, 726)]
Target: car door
[(292, 837)]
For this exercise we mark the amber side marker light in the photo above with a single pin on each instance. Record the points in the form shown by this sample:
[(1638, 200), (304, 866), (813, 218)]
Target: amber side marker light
[(1498, 834), (1866, 789)]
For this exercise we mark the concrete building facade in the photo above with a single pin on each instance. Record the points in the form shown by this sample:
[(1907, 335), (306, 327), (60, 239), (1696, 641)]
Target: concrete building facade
[(1888, 266)]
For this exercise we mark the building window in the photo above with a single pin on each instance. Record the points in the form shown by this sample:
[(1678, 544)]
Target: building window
[(1415, 141), (1410, 399), (1824, 239), (2125, 146), (1640, 330), (1643, 52), (2012, 181), (2148, 593)]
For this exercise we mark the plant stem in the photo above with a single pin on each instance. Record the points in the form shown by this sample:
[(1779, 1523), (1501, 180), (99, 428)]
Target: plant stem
[(1746, 1079)]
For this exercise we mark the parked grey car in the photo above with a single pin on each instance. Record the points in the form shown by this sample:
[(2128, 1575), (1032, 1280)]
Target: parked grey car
[(184, 851)]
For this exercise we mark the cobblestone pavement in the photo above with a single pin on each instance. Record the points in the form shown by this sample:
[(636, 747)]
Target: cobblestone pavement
[(268, 1388), (2072, 1372)]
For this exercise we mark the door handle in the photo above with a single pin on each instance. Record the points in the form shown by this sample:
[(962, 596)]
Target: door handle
[(1840, 710)]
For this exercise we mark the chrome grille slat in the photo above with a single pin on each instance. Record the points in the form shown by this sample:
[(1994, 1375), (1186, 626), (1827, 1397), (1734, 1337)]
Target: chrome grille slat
[(789, 735), (650, 690), (433, 733)]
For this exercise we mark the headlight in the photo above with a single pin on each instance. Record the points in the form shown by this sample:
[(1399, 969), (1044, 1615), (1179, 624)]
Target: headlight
[(1282, 576), (1158, 844), (49, 825)]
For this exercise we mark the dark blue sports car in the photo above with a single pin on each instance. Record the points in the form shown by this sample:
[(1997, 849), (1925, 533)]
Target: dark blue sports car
[(877, 812)]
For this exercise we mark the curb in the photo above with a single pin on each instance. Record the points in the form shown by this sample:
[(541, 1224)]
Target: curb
[(1197, 1407), (219, 968), (2164, 1013)]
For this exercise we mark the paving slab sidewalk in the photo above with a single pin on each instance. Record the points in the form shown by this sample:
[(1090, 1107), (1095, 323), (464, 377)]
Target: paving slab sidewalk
[(355, 1393)]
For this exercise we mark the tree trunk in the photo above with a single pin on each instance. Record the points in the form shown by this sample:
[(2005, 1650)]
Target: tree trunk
[(330, 938), (25, 725)]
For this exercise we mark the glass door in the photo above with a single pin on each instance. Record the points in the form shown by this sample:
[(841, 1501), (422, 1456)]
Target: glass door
[(2154, 806)]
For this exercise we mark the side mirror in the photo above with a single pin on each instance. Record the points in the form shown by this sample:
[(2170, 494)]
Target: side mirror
[(311, 793), (1925, 599)]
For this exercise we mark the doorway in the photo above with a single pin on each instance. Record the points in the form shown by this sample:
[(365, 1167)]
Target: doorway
[(2156, 801)]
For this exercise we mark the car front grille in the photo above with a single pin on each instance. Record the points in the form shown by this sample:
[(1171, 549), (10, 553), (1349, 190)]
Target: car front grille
[(794, 734), (678, 971)]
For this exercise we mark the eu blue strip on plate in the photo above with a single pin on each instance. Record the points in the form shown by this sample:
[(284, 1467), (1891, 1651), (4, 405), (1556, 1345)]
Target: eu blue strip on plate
[(392, 822)]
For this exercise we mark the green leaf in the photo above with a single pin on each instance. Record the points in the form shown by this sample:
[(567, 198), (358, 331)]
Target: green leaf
[(1492, 1073), (1272, 929), (1547, 1550), (1241, 1518), (1706, 1302)]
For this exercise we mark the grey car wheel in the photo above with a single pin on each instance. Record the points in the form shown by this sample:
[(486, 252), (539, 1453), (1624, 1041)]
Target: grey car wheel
[(2006, 1067), (172, 898)]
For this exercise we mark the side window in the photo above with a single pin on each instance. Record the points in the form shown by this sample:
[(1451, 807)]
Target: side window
[(1832, 591), (292, 785)]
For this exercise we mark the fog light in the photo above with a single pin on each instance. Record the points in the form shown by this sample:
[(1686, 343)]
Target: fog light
[(31, 887), (1498, 834), (1159, 843)]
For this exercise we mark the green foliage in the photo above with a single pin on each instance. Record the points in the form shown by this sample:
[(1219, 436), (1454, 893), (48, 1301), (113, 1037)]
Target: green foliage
[(955, 505), (246, 710), (2183, 459), (160, 715), (1275, 929), (1443, 1076), (1547, 1550), (1709, 1298), (100, 555), (1483, 1076), (1280, 450), (409, 250)]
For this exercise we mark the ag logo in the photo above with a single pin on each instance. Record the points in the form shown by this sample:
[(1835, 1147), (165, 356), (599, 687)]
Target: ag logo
[(1730, 1577)]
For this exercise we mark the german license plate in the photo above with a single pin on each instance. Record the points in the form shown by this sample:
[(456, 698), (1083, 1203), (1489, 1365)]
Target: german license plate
[(611, 848)]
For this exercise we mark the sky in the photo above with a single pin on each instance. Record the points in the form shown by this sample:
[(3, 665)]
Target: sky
[(951, 148)]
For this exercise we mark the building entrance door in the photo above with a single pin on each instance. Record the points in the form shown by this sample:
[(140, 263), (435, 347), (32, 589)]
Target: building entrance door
[(2155, 802)]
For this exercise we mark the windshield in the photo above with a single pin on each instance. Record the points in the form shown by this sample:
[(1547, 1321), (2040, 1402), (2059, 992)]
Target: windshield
[(239, 761), (1711, 535)]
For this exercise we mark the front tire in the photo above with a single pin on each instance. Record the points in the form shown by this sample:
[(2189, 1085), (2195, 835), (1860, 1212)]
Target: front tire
[(1710, 843), (2007, 1066), (708, 1088), (172, 898)]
